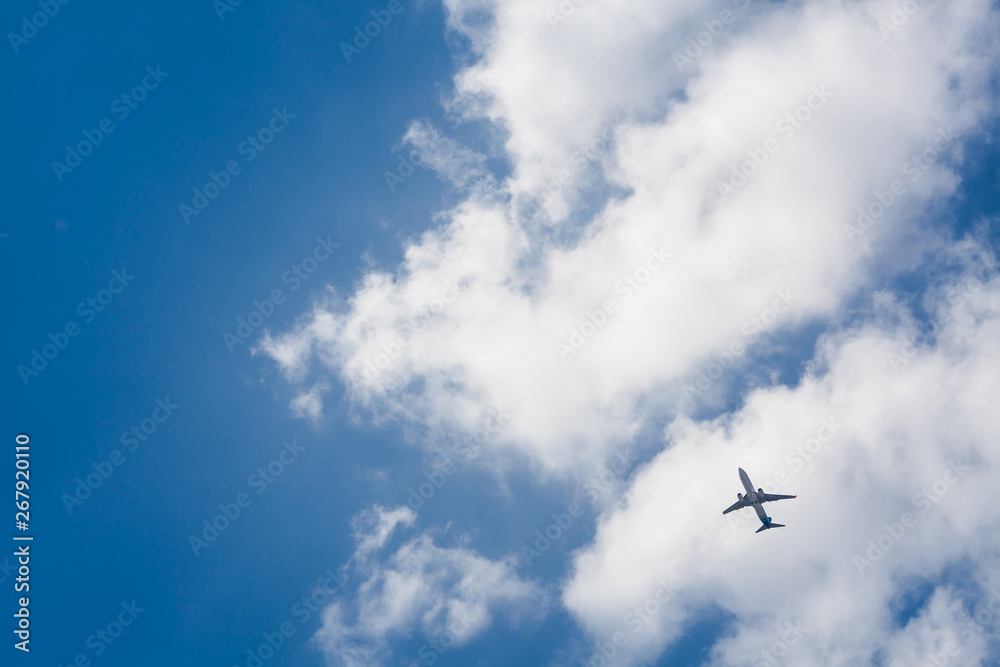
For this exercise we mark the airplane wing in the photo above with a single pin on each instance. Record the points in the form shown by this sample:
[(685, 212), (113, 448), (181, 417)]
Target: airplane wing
[(768, 497), (737, 505)]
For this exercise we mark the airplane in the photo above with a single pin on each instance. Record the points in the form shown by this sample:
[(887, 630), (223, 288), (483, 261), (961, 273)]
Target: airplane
[(754, 499)]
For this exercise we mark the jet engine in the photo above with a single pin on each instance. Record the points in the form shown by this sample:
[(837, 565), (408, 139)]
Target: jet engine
[(739, 496), (760, 491)]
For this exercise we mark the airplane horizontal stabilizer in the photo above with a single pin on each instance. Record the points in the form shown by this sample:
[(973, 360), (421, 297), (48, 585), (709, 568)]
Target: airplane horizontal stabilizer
[(773, 525)]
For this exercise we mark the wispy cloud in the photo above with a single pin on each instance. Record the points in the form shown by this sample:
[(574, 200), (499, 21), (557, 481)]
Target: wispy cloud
[(436, 591)]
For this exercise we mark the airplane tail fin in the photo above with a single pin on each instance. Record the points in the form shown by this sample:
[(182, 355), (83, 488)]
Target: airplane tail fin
[(773, 525)]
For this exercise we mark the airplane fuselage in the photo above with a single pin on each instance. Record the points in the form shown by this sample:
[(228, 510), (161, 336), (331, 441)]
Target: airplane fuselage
[(753, 499)]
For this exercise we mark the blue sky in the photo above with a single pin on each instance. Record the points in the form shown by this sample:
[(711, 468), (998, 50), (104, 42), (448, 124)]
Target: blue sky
[(162, 336), (500, 101)]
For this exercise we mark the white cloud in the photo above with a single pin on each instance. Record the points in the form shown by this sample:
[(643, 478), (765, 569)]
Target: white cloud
[(374, 527), (943, 634), (524, 288), (803, 158), (452, 161), (551, 90), (310, 403), (890, 492), (449, 595)]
